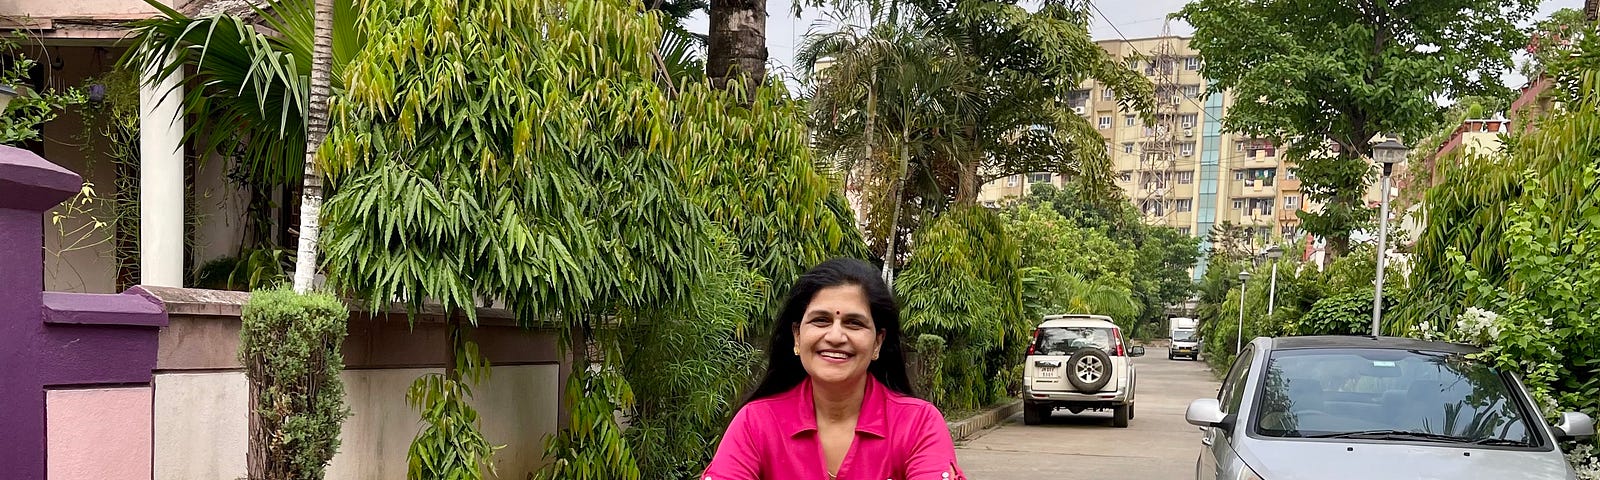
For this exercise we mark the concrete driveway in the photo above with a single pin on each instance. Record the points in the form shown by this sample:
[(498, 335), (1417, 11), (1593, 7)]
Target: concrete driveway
[(1157, 444)]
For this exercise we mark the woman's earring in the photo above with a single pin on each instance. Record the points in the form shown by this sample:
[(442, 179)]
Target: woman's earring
[(797, 351)]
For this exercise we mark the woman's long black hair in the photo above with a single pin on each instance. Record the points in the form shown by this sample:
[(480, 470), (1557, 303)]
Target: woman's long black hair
[(784, 371)]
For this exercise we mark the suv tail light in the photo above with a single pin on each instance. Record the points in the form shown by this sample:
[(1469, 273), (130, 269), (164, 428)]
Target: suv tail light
[(1116, 340), (1034, 342)]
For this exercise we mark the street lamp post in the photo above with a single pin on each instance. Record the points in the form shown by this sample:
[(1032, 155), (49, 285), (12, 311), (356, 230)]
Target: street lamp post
[(1244, 286), (1388, 153), (1273, 254)]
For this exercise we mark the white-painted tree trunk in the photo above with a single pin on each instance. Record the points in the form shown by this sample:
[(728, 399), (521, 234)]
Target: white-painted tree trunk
[(305, 268)]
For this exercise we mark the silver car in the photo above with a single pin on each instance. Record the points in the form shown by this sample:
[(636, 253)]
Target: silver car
[(1311, 408)]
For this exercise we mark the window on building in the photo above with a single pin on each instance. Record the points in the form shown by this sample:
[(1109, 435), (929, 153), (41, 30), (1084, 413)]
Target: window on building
[(1263, 232), (1011, 181), (1289, 173), (1182, 205), (1127, 120), (1191, 91), (1188, 120), (1191, 63), (1108, 94), (1127, 147), (1186, 149), (1239, 175), (1291, 202), (1239, 205), (1258, 206), (1291, 231), (1154, 207), (1038, 178), (1127, 176), (1238, 146), (1264, 176), (1105, 122), (1185, 177)]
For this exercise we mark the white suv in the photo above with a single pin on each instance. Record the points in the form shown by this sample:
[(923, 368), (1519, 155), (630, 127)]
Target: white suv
[(1078, 362)]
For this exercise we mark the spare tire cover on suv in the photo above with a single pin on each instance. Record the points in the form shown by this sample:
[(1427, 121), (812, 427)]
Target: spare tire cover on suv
[(1089, 370)]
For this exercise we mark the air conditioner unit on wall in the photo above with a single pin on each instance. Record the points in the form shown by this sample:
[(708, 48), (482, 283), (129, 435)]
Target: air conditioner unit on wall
[(1188, 132), (1078, 110)]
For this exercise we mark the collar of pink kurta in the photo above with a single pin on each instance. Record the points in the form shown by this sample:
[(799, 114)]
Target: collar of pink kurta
[(874, 407)]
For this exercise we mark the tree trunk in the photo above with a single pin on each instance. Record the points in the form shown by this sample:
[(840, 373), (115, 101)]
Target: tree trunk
[(889, 258), (967, 185), (305, 267), (737, 50)]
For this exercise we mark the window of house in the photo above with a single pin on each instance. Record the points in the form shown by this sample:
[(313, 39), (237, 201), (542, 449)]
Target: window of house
[(1105, 122), (1185, 177), (1189, 120), (1291, 231), (1127, 147), (1182, 205), (1038, 178), (1191, 63), (1239, 175), (1289, 174), (1127, 176), (1108, 94), (1127, 120), (1238, 146), (1186, 149), (1239, 204), (1183, 230), (1291, 201), (1011, 181), (1191, 91), (1264, 232)]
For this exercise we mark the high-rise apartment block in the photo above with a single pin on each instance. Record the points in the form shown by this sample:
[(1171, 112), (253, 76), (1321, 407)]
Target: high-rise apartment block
[(1180, 169)]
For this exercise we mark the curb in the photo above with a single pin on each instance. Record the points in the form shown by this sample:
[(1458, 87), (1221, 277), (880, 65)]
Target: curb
[(961, 429)]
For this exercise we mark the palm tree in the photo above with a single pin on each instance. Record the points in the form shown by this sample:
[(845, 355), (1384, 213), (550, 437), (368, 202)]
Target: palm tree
[(888, 104), (257, 84), (737, 44), (305, 266)]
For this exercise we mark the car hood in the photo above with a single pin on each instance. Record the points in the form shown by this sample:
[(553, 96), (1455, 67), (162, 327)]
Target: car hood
[(1319, 460), (1184, 343)]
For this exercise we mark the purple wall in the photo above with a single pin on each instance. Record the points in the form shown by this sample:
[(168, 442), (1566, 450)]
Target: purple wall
[(55, 339)]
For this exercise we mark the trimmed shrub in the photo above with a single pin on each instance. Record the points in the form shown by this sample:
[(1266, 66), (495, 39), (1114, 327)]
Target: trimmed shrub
[(290, 345)]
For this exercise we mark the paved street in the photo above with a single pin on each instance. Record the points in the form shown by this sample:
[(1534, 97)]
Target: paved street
[(1156, 444)]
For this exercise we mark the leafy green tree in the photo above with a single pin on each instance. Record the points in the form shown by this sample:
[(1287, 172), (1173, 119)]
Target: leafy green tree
[(962, 283), (1552, 38), (1070, 269), (1337, 74)]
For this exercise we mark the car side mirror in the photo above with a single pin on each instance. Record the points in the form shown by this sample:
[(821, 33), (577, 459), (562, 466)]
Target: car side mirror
[(1574, 425), (1205, 412), (1136, 352)]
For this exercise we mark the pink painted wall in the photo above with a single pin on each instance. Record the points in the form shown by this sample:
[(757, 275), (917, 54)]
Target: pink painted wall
[(98, 434)]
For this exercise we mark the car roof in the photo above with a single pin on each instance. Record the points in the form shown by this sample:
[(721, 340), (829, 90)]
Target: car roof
[(1350, 341), (1077, 320)]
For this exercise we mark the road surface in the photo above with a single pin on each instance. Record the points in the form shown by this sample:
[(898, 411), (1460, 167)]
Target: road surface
[(1157, 444)]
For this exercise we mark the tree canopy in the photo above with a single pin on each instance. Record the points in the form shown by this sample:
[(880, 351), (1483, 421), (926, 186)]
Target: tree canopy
[(1324, 78)]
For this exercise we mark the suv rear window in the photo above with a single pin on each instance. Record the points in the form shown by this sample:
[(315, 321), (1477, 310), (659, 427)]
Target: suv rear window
[(1066, 340)]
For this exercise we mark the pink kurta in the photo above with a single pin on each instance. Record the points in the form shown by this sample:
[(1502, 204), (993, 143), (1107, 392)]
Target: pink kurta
[(897, 438)]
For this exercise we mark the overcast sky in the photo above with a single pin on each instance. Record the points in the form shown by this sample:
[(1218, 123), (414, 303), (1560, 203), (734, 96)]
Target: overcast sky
[(1135, 19)]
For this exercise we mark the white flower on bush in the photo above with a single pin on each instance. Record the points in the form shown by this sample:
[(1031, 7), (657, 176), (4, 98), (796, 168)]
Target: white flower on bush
[(1584, 461), (1478, 325)]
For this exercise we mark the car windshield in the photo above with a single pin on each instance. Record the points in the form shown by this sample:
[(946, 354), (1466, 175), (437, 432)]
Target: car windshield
[(1066, 340), (1389, 394), (1182, 335)]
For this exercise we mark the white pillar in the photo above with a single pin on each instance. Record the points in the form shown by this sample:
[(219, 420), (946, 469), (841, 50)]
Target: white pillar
[(161, 206)]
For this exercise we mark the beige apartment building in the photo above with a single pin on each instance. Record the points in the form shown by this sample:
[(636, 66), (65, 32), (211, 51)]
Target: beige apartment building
[(1181, 170)]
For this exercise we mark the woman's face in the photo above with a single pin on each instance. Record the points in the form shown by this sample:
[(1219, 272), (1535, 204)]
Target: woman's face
[(836, 339)]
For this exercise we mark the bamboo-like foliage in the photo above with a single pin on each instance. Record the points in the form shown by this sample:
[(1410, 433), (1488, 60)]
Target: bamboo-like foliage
[(963, 283), (511, 151)]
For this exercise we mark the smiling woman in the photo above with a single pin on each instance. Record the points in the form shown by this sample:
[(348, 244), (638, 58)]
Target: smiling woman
[(836, 403)]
